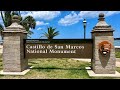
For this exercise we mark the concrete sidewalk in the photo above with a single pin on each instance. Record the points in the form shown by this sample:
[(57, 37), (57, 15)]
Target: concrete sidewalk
[(118, 62), (1, 49), (86, 60), (89, 60)]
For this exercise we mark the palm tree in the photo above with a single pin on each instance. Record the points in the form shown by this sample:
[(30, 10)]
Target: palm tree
[(6, 17), (1, 34), (28, 22), (1, 29), (51, 33)]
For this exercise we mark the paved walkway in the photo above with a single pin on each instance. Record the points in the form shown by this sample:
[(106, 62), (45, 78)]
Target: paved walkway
[(1, 48), (89, 60), (118, 62)]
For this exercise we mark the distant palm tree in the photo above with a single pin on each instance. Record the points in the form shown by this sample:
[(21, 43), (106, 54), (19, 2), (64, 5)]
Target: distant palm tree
[(28, 22), (1, 29), (51, 33), (6, 17)]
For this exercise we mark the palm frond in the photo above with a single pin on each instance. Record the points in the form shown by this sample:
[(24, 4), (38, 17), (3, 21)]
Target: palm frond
[(28, 22), (50, 34), (56, 33)]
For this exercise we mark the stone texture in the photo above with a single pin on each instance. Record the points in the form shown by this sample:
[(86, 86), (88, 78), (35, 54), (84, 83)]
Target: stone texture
[(103, 64), (93, 74), (13, 49)]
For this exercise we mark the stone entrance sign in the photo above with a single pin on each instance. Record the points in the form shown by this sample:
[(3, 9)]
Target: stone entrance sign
[(58, 48), (100, 49)]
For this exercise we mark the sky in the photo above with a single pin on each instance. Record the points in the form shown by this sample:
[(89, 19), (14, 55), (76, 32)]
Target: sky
[(70, 23)]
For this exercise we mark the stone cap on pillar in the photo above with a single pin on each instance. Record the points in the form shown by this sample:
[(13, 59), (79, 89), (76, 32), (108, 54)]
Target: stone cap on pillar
[(15, 26), (102, 25)]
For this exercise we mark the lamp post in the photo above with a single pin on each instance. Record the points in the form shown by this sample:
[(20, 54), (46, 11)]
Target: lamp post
[(84, 25)]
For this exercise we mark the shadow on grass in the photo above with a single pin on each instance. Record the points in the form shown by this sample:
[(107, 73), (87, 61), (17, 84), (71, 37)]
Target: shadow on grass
[(56, 68)]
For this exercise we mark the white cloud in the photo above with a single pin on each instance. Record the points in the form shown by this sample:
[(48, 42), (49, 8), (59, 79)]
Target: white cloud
[(39, 28), (109, 13), (88, 14), (70, 19), (44, 15), (94, 14), (30, 29), (39, 23), (74, 18)]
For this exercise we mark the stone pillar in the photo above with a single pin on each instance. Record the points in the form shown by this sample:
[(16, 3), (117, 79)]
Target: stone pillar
[(13, 47), (102, 62)]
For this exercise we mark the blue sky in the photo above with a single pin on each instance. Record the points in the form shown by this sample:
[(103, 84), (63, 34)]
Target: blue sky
[(69, 23)]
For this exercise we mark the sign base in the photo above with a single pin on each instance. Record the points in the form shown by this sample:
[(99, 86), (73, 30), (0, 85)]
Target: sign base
[(16, 73), (92, 74)]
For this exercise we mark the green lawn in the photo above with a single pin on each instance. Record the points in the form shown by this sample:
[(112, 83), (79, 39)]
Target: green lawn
[(117, 54), (55, 68), (61, 68)]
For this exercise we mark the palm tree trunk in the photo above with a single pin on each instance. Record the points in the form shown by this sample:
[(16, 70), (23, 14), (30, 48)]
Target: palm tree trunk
[(19, 13), (2, 37)]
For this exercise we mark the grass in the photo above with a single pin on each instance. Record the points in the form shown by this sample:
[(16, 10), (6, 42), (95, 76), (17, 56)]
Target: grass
[(117, 54), (62, 68), (55, 68)]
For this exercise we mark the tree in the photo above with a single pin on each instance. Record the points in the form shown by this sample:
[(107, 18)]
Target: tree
[(6, 17), (51, 33), (1, 29), (28, 22)]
